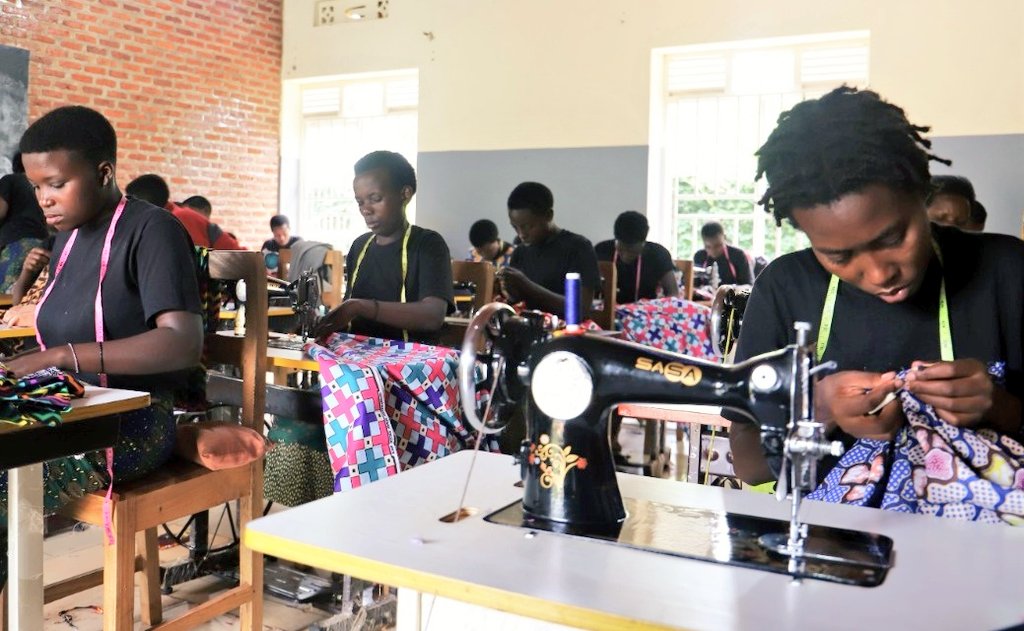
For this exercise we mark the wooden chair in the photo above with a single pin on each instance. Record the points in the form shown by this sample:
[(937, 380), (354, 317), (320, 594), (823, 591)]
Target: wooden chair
[(181, 488), (335, 262), (605, 318), (479, 273), (284, 261), (685, 267)]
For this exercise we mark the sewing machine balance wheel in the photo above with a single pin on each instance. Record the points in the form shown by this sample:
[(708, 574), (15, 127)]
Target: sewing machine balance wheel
[(479, 351)]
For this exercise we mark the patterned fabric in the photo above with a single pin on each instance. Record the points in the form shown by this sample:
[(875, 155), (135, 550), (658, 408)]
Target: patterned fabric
[(387, 405), (297, 470), (670, 324), (12, 258), (41, 397), (933, 468)]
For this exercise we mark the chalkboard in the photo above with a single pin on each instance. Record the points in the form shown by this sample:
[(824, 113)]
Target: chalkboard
[(13, 102)]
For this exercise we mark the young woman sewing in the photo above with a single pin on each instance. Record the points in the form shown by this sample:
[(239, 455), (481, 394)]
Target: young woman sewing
[(122, 305)]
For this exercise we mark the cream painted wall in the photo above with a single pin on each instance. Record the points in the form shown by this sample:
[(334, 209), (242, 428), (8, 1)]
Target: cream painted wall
[(509, 74)]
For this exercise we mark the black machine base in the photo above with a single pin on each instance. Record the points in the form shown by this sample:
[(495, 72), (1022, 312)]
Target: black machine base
[(832, 554)]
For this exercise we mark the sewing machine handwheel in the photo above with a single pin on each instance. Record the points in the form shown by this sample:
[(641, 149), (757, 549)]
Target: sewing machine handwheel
[(481, 331)]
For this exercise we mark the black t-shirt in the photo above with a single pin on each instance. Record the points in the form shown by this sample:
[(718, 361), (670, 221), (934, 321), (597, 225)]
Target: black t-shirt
[(271, 246), (984, 286), (547, 263), (655, 262), (733, 255), (24, 216), (380, 277), (152, 269)]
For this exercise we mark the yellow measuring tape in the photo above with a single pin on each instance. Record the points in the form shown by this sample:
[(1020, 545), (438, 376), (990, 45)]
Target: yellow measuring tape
[(405, 267)]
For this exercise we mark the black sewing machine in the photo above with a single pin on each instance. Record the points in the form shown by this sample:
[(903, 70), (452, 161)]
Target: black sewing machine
[(303, 295), (567, 387), (727, 317)]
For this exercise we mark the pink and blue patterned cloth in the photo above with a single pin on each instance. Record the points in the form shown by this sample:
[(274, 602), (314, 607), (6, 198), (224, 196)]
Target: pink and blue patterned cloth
[(670, 324), (934, 468), (388, 405)]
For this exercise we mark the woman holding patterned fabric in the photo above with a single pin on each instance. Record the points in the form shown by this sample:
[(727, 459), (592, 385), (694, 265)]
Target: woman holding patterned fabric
[(399, 275), (122, 306)]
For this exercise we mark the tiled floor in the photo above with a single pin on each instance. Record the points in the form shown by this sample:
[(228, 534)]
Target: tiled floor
[(76, 552)]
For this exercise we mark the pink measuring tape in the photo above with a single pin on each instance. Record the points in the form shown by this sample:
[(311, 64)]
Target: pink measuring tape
[(98, 319), (639, 262)]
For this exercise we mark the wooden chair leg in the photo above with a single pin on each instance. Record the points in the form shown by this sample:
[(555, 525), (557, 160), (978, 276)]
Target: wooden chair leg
[(250, 562), (146, 543), (119, 572)]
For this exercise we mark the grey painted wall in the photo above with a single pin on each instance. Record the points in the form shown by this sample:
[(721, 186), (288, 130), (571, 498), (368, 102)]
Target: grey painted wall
[(591, 187), (994, 165)]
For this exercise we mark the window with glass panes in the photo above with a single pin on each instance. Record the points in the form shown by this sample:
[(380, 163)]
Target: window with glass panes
[(341, 122), (717, 105)]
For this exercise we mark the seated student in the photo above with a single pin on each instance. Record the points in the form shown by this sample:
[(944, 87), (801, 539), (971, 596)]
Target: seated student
[(851, 172), (199, 204), (149, 311), (28, 289), (282, 238), (733, 265), (21, 224), (641, 265), (487, 245), (153, 189), (950, 200), (399, 275), (536, 273)]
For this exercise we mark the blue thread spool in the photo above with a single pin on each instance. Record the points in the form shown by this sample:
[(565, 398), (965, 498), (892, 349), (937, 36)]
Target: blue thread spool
[(572, 302)]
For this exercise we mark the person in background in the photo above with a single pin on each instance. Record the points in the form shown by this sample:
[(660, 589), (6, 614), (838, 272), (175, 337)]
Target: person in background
[(199, 204), (851, 172), (950, 201), (153, 189), (733, 264), (282, 232), (488, 245), (28, 289), (642, 266), (536, 274), (22, 227), (399, 275), (140, 327), (979, 216)]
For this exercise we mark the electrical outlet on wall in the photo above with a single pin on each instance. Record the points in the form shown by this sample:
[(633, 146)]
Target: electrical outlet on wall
[(328, 12)]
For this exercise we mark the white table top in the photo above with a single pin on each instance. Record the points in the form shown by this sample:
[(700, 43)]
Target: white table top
[(947, 575)]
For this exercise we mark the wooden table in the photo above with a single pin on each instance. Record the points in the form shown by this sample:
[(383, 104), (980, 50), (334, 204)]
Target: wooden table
[(87, 427), (272, 312), (947, 575), (9, 332), (6, 300)]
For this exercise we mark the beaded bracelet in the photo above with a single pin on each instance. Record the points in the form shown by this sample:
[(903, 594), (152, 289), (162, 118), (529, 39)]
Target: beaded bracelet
[(74, 356)]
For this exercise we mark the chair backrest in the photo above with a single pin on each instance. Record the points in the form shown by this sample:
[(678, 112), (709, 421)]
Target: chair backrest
[(685, 268), (249, 352), (284, 261), (335, 263), (605, 318), (479, 273)]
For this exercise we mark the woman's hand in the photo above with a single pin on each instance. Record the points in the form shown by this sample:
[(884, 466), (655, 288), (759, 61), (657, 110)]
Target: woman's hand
[(341, 316), (35, 261), (28, 363), (961, 391), (20, 315), (846, 398)]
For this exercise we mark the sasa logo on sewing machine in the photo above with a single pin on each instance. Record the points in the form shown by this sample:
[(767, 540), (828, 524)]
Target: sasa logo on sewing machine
[(673, 371)]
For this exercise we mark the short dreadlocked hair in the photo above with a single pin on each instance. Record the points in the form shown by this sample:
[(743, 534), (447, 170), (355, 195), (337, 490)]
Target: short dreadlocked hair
[(826, 148)]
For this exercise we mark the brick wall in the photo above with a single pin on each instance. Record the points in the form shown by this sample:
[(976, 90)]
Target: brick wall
[(191, 86)]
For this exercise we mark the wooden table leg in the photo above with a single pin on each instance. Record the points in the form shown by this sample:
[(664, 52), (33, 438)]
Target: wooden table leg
[(25, 546)]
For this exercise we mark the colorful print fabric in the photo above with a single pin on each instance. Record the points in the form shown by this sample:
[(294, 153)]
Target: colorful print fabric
[(41, 397), (933, 468), (388, 405), (670, 324)]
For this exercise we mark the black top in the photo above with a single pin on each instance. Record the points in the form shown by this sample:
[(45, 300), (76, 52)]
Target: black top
[(152, 269), (24, 216), (655, 262), (739, 260), (380, 277), (547, 263), (271, 246), (984, 285)]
